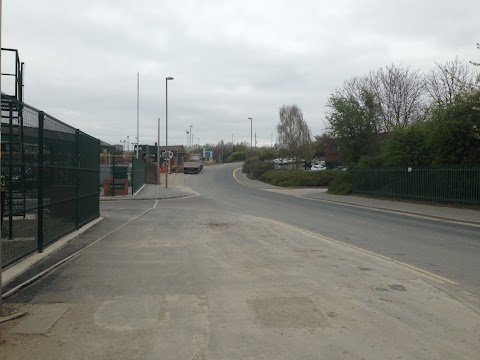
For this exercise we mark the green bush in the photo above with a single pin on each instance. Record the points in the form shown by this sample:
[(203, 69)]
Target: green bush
[(236, 156), (254, 167), (341, 183), (298, 178)]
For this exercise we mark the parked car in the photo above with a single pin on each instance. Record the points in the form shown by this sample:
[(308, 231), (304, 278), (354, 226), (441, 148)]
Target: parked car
[(341, 168), (317, 168)]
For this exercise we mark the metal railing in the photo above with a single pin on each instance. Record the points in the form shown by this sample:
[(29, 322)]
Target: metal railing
[(50, 176), (447, 184)]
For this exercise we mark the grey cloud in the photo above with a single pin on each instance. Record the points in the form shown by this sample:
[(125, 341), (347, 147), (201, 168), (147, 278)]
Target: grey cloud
[(230, 59)]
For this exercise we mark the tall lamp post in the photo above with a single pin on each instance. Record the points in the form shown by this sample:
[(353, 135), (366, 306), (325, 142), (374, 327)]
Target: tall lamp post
[(191, 138), (138, 110), (158, 153), (251, 134), (166, 128)]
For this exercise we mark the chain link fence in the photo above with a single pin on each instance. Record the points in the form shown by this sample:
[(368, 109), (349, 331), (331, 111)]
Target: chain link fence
[(50, 174)]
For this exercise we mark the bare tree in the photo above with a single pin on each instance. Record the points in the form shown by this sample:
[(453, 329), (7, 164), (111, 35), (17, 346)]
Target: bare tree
[(400, 93), (476, 80), (293, 132), (447, 80)]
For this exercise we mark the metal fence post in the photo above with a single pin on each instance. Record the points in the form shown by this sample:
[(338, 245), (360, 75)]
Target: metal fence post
[(133, 176), (10, 170), (113, 176), (40, 182), (77, 178)]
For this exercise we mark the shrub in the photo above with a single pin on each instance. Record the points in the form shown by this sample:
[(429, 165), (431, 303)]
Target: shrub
[(236, 156), (298, 178), (254, 167), (341, 183)]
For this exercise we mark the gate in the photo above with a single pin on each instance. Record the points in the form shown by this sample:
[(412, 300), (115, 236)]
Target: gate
[(138, 174)]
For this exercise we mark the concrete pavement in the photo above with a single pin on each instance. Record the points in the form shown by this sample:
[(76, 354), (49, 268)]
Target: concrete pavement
[(175, 189), (454, 214), (230, 286)]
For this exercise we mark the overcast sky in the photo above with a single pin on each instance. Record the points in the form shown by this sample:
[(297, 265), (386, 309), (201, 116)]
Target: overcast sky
[(231, 59)]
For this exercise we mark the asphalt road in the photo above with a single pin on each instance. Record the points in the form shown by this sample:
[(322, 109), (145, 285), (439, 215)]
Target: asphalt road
[(449, 250), (209, 277)]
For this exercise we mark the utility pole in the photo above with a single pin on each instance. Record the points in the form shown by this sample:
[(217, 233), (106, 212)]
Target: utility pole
[(158, 153), (138, 112), (128, 144), (191, 137), (255, 140), (251, 129), (166, 128)]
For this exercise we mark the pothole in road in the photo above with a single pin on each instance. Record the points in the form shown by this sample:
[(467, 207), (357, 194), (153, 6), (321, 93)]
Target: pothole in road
[(397, 287), (365, 268)]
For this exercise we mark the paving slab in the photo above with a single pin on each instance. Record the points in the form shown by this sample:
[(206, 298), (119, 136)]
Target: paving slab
[(41, 319)]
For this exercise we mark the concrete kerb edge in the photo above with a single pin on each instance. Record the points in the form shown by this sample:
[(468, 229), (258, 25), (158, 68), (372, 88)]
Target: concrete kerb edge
[(16, 270), (120, 197), (401, 212), (69, 257), (375, 208)]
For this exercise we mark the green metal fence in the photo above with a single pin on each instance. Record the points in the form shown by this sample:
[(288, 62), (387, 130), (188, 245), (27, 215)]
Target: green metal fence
[(447, 184), (50, 174), (138, 174)]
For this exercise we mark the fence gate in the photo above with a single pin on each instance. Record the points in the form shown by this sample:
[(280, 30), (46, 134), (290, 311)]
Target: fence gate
[(138, 174)]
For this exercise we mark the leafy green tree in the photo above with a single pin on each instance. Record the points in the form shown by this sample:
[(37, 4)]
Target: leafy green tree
[(450, 136), (320, 143), (454, 132), (267, 153), (354, 123), (408, 146)]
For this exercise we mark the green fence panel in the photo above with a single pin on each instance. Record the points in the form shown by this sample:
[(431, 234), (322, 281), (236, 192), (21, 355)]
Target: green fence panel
[(447, 184), (50, 174)]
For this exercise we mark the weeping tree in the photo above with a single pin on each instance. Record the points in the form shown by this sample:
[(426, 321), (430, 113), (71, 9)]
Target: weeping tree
[(293, 133)]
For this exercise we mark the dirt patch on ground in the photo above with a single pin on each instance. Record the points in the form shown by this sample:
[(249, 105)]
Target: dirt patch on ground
[(287, 312), (218, 225)]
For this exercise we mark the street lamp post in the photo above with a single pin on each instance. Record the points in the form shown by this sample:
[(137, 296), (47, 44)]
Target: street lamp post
[(138, 110), (158, 153), (166, 128), (191, 138), (251, 132)]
